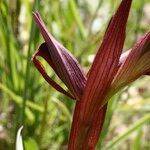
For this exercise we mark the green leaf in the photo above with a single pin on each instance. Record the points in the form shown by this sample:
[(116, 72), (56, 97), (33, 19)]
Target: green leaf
[(137, 143)]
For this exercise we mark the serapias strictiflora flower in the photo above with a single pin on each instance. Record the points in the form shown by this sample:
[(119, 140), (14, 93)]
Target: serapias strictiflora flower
[(109, 72), (62, 62)]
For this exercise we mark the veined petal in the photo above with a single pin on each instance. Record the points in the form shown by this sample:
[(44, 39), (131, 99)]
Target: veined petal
[(136, 64), (102, 72), (43, 52), (66, 66), (105, 64)]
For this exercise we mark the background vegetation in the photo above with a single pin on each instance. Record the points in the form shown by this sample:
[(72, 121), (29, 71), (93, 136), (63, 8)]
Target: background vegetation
[(26, 99)]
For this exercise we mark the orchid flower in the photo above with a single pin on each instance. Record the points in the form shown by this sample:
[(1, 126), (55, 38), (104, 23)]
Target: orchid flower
[(110, 72)]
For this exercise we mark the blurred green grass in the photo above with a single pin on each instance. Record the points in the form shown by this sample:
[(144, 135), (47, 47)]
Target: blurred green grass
[(26, 99)]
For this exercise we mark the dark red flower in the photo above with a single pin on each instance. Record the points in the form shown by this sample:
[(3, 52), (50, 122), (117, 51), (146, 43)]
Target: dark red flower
[(109, 72)]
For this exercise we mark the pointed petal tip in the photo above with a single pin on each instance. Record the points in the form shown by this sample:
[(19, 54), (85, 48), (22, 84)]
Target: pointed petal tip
[(36, 16), (122, 13), (147, 43), (33, 13)]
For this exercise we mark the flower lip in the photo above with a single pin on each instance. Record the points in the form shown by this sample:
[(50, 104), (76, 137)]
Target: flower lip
[(64, 64), (42, 52)]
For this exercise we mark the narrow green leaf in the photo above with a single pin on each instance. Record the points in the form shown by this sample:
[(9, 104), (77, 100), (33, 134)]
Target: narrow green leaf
[(17, 99), (77, 17), (118, 140), (137, 142)]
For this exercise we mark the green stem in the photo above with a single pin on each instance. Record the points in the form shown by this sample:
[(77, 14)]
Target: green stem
[(43, 123), (26, 79), (77, 18), (94, 16), (27, 72)]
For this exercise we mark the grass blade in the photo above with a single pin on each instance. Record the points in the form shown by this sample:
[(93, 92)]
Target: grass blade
[(127, 134)]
